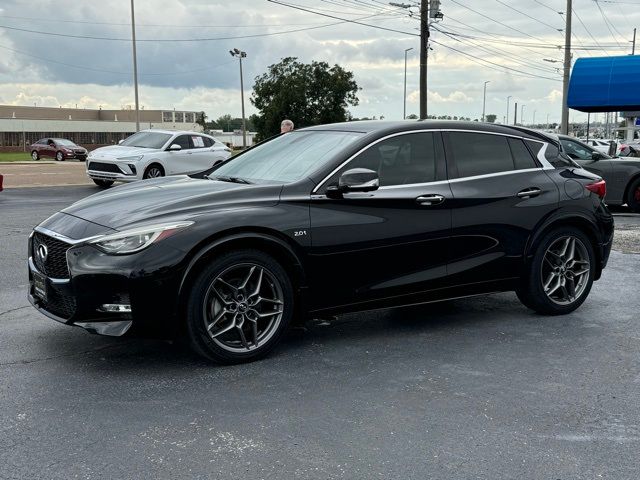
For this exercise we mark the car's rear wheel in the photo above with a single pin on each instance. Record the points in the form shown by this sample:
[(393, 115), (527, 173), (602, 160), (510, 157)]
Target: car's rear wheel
[(633, 198), (153, 171), (59, 156), (560, 274), (34, 155), (103, 183), (239, 307)]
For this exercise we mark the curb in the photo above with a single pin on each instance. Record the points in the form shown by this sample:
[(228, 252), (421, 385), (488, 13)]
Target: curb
[(29, 162)]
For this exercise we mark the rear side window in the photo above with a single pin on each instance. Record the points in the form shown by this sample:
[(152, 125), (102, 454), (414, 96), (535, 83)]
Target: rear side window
[(207, 142), (522, 158), (480, 153)]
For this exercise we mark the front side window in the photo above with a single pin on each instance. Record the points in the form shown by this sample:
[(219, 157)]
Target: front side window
[(147, 140), (399, 160), (183, 141), (480, 153), (289, 157)]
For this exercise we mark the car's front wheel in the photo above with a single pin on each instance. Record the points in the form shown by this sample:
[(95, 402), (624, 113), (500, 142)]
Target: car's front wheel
[(560, 274), (153, 171), (103, 183), (239, 307), (633, 199), (34, 155), (59, 156)]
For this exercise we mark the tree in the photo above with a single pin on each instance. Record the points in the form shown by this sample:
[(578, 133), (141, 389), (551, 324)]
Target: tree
[(307, 94), (491, 118), (413, 116), (201, 119)]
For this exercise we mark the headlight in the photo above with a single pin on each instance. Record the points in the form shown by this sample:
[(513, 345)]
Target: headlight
[(135, 158), (131, 241)]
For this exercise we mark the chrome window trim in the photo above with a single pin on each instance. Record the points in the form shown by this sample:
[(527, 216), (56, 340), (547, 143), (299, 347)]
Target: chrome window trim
[(544, 162)]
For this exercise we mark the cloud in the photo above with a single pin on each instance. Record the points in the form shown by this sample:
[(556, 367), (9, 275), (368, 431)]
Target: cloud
[(435, 97)]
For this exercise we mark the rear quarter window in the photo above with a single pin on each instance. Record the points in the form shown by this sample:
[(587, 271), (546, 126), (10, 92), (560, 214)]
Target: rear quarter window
[(522, 158), (557, 158)]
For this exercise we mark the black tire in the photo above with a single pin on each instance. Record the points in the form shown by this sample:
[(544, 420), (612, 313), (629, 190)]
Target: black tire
[(199, 310), (35, 155), (59, 156), (103, 183), (153, 171), (633, 196), (531, 291)]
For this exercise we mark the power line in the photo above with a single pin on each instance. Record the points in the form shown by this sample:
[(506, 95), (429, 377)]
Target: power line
[(342, 19), (588, 31), (606, 22), (477, 60), (529, 16)]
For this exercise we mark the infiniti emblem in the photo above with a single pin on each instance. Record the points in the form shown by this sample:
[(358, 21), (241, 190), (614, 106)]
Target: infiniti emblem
[(42, 252)]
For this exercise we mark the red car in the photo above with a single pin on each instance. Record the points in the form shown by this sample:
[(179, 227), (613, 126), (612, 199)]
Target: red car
[(58, 148)]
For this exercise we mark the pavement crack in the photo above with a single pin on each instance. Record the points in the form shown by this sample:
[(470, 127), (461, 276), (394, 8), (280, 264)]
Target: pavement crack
[(14, 309), (75, 354)]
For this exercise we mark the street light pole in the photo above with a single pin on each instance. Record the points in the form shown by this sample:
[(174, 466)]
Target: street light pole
[(507, 121), (522, 114), (240, 54), (534, 118), (564, 123), (404, 111), (484, 98), (135, 66)]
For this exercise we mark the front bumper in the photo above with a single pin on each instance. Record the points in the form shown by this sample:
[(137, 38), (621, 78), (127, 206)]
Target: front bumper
[(126, 172), (147, 282)]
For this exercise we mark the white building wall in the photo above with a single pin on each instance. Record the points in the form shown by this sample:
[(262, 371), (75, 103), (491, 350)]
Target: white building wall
[(26, 125)]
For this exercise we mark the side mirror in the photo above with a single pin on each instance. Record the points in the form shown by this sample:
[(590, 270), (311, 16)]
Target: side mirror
[(174, 147), (120, 141), (595, 156), (356, 180)]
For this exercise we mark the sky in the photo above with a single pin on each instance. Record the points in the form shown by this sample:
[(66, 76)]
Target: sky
[(184, 61)]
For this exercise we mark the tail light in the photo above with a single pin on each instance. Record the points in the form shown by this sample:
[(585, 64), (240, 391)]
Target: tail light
[(599, 188)]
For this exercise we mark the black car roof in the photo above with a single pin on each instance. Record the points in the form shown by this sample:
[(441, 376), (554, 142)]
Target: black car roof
[(386, 127)]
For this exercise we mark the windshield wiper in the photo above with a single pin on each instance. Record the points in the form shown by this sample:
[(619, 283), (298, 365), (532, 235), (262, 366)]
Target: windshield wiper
[(225, 178)]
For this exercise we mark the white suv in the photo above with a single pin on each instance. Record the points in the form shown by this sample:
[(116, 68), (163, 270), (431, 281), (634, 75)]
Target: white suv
[(155, 153)]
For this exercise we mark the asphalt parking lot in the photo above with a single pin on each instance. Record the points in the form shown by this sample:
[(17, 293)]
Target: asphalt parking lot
[(477, 388)]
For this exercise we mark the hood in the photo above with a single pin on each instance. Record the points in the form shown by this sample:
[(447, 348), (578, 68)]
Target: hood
[(168, 199), (114, 152)]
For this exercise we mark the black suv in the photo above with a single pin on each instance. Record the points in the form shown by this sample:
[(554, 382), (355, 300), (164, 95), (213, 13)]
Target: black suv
[(325, 220)]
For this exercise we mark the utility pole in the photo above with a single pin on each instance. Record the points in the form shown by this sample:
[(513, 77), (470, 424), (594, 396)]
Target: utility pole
[(404, 110), (240, 54), (135, 65), (522, 114), (424, 55), (633, 45), (484, 98), (507, 120), (515, 114), (564, 124)]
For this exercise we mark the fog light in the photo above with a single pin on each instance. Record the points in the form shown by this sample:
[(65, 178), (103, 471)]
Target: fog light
[(115, 308)]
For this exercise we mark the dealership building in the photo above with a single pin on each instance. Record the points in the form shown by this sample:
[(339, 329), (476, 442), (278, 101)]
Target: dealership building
[(21, 126)]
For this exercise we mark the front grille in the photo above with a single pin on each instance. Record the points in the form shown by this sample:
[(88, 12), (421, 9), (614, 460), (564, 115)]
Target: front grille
[(60, 305), (55, 264), (104, 167)]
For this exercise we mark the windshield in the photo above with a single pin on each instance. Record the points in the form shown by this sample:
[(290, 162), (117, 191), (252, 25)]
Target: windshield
[(147, 140), (287, 158), (66, 143)]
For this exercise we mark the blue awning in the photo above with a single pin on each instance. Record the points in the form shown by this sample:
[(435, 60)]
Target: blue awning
[(605, 84)]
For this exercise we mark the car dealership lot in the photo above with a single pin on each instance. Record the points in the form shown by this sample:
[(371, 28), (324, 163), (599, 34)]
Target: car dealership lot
[(473, 388)]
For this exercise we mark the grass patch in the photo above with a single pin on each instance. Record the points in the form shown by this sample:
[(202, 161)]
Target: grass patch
[(14, 157)]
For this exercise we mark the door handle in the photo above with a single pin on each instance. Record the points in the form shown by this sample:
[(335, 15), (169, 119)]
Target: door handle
[(428, 200), (529, 192)]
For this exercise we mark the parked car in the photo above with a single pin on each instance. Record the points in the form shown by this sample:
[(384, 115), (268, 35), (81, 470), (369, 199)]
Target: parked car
[(600, 145), (326, 220), (155, 153), (622, 174), (59, 148)]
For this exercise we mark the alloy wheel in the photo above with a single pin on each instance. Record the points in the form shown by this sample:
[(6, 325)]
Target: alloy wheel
[(243, 307), (565, 270), (59, 156), (34, 155), (154, 172)]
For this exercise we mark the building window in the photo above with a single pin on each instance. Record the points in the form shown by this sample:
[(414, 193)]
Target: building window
[(167, 117), (179, 117), (189, 117)]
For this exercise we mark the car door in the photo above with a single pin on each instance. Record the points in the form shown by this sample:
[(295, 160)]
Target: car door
[(500, 193), (49, 149), (202, 155), (388, 242), (180, 161)]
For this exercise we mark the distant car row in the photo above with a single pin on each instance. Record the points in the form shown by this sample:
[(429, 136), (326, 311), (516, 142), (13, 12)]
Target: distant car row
[(146, 154)]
